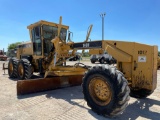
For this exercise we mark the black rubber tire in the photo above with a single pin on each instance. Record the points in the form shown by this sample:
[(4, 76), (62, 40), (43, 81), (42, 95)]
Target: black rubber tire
[(74, 59), (142, 93), (93, 61), (14, 62), (115, 61), (108, 61), (119, 88), (27, 69), (102, 60), (70, 60)]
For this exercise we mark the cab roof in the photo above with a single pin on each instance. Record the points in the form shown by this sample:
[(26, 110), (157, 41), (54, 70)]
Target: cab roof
[(23, 43), (43, 22)]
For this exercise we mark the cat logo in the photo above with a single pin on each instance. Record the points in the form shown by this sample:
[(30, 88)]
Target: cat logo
[(141, 58)]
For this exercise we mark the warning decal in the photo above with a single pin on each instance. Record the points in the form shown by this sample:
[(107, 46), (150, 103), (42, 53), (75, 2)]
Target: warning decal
[(142, 59)]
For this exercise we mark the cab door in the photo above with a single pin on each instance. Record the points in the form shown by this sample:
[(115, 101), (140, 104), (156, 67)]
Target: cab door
[(37, 42)]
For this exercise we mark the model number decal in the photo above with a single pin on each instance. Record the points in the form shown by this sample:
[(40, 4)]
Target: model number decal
[(144, 52)]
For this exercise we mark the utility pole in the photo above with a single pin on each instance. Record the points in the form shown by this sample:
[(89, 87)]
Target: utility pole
[(102, 15)]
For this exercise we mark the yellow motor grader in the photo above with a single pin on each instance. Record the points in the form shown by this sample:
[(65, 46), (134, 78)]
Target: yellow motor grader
[(106, 88)]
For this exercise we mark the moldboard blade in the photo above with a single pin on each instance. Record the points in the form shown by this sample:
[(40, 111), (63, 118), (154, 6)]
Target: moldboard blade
[(45, 84)]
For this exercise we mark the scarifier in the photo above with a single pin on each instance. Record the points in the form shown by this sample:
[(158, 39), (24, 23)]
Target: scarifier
[(106, 88)]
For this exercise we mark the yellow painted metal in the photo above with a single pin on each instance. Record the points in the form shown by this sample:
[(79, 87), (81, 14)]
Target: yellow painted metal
[(59, 26), (44, 84), (154, 54), (64, 71), (43, 22), (139, 65), (100, 91), (88, 34), (138, 62), (96, 51), (122, 56), (10, 67), (20, 70)]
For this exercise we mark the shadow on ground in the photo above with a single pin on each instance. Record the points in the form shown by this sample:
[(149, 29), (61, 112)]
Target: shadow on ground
[(139, 108)]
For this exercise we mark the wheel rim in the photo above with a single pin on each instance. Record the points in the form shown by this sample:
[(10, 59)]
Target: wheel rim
[(100, 91), (20, 70), (11, 68)]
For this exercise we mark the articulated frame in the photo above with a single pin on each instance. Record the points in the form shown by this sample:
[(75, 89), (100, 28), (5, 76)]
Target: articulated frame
[(136, 61)]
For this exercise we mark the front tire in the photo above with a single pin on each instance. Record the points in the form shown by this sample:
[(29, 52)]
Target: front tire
[(106, 90), (24, 69), (12, 67)]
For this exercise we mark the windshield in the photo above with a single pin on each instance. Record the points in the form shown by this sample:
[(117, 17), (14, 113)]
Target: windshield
[(63, 34), (49, 33)]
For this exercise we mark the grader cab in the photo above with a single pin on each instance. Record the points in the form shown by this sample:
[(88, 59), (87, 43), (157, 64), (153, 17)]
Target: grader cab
[(105, 87)]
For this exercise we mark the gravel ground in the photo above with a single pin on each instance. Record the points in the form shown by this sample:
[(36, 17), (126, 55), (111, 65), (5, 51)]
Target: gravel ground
[(66, 104)]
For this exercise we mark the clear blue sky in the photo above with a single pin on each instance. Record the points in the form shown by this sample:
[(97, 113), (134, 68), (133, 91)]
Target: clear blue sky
[(127, 20)]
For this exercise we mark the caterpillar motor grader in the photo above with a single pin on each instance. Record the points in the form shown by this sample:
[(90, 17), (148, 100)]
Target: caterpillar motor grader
[(106, 88)]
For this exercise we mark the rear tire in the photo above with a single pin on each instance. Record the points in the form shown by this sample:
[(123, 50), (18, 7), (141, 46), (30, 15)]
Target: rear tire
[(12, 67), (106, 90), (102, 60), (142, 93), (24, 69)]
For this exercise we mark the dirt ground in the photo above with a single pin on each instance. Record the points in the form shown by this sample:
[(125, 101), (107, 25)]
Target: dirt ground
[(66, 104)]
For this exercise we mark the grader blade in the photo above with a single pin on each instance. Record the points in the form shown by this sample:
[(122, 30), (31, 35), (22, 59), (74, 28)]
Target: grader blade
[(45, 84)]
